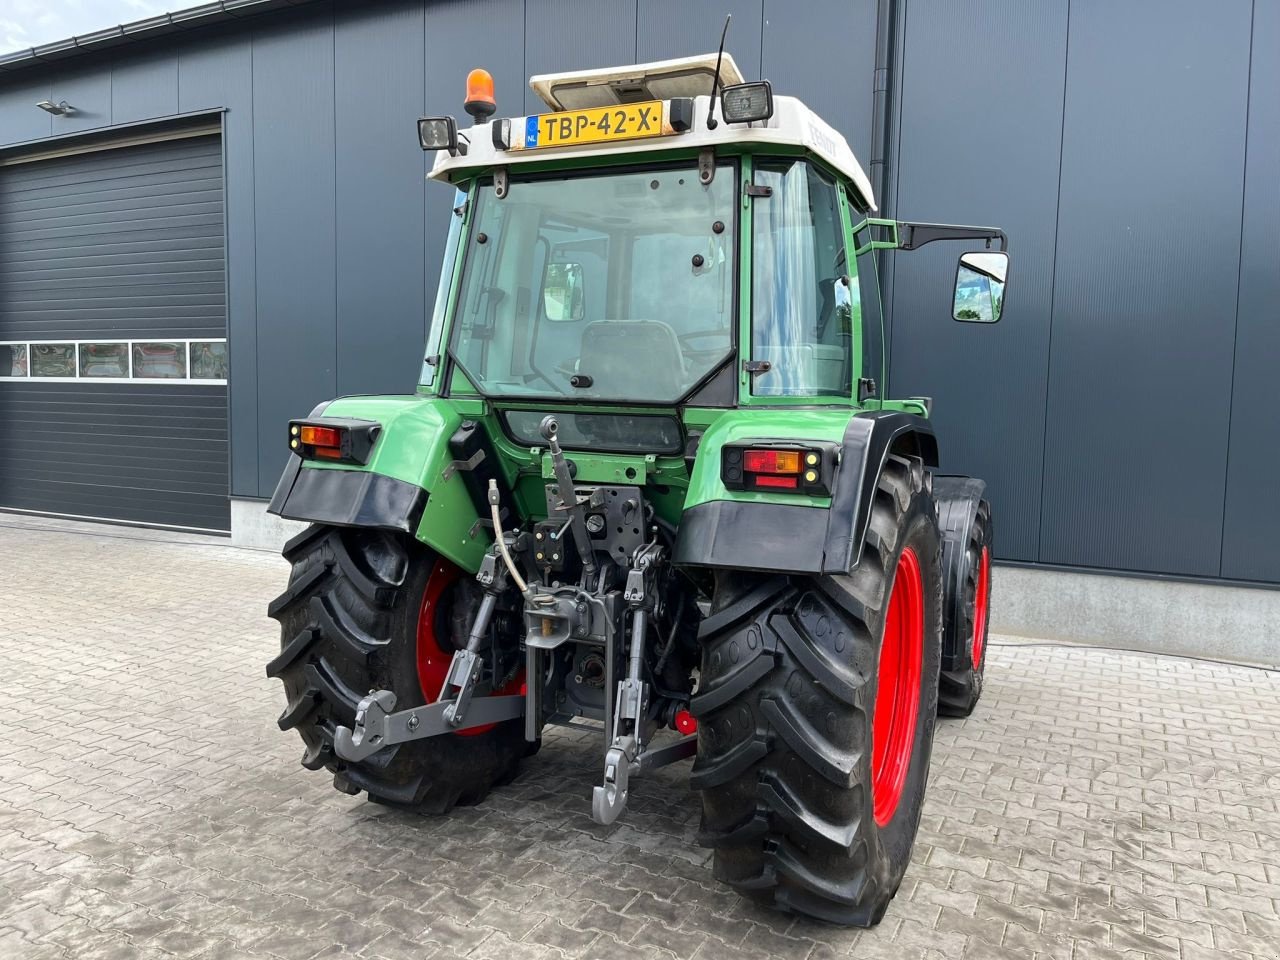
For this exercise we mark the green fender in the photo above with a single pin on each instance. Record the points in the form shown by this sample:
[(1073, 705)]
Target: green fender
[(407, 484)]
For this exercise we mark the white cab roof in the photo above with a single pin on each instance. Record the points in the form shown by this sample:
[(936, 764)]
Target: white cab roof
[(609, 86), (792, 125)]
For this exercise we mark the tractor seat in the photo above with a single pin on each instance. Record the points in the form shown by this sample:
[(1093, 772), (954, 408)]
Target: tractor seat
[(638, 359)]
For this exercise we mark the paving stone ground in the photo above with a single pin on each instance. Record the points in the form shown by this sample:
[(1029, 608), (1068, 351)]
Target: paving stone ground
[(1098, 804)]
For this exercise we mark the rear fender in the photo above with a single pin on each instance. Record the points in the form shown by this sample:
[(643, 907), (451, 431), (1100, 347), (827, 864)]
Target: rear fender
[(957, 499), (413, 483), (754, 532)]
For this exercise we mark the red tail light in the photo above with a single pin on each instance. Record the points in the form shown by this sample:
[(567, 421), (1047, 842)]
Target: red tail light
[(771, 461), (322, 436), (344, 440), (780, 466)]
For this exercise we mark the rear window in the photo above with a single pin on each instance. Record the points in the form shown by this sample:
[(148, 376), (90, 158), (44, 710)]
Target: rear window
[(615, 432)]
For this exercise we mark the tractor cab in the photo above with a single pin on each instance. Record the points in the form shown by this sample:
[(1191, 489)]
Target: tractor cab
[(622, 247)]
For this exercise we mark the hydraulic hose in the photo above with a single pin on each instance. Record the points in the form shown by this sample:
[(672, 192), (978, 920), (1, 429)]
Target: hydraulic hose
[(501, 540)]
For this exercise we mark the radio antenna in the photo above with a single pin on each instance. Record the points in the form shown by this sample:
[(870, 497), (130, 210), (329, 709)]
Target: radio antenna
[(715, 81)]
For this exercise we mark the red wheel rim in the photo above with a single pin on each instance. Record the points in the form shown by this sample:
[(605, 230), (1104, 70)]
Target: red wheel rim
[(980, 601), (893, 729), (433, 648)]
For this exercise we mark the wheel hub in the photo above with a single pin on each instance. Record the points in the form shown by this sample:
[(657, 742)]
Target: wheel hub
[(435, 647), (897, 688)]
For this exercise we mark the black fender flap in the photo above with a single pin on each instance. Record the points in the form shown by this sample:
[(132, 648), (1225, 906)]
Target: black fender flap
[(800, 539), (347, 498), (752, 536), (867, 442), (957, 499)]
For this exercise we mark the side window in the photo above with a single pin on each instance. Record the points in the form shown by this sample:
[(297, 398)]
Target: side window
[(801, 311), (436, 328)]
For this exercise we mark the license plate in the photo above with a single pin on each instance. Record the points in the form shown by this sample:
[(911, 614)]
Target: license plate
[(632, 121)]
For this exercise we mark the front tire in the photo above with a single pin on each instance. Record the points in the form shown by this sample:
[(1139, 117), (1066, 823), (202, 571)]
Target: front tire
[(366, 610), (816, 706)]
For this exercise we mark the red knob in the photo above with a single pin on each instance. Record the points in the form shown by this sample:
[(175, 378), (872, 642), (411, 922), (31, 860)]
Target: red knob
[(686, 723)]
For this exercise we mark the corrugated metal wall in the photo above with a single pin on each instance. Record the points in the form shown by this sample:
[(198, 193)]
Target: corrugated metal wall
[(1120, 410)]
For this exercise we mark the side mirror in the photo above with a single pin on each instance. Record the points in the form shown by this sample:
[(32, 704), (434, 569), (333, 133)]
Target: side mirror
[(980, 283), (562, 292)]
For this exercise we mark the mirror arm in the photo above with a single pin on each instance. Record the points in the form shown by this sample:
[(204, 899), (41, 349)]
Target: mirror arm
[(913, 236)]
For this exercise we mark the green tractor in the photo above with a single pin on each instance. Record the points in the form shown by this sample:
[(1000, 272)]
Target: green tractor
[(647, 485)]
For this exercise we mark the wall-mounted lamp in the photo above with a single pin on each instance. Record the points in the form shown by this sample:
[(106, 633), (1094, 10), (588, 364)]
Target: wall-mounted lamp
[(59, 109)]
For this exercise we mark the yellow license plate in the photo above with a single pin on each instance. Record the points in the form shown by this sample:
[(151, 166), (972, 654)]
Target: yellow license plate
[(632, 121)]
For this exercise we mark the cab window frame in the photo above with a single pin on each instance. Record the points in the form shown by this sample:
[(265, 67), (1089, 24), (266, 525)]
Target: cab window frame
[(727, 165), (781, 164)]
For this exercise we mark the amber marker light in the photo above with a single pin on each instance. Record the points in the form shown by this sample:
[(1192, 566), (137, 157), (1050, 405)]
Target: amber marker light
[(480, 102)]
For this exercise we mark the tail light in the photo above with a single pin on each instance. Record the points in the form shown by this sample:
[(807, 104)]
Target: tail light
[(780, 467), (333, 439)]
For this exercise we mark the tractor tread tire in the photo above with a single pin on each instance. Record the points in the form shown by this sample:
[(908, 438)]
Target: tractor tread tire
[(785, 706), (348, 625), (959, 690)]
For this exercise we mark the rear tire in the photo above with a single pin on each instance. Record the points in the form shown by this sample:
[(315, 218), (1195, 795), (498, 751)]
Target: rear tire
[(791, 750), (348, 625), (968, 622)]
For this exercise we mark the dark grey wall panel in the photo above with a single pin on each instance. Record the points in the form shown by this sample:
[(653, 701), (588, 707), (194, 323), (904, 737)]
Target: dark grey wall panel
[(988, 382), (824, 52), (1252, 522), (219, 76), (454, 47), (88, 89), (699, 30), (576, 35), (379, 78), (1145, 291), (20, 118), (117, 243), (143, 452), (294, 186), (144, 88)]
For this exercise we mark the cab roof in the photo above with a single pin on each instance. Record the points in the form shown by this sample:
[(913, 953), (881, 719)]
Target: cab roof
[(792, 125)]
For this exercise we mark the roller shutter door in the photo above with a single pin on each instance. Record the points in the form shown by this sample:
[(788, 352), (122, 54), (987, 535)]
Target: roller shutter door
[(113, 369)]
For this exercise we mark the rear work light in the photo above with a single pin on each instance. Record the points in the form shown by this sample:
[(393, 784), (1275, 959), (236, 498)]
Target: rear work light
[(440, 133), (331, 438), (747, 102), (780, 467)]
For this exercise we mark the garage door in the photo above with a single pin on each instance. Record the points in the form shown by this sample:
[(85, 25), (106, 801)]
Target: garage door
[(113, 351)]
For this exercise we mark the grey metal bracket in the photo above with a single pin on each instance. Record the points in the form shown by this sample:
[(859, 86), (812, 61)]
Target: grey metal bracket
[(464, 672), (706, 165), (500, 182), (453, 466), (377, 727)]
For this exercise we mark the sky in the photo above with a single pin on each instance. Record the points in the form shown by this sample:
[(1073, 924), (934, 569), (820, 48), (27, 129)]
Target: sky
[(29, 23)]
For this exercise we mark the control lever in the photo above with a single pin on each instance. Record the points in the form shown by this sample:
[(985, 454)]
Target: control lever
[(567, 495)]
